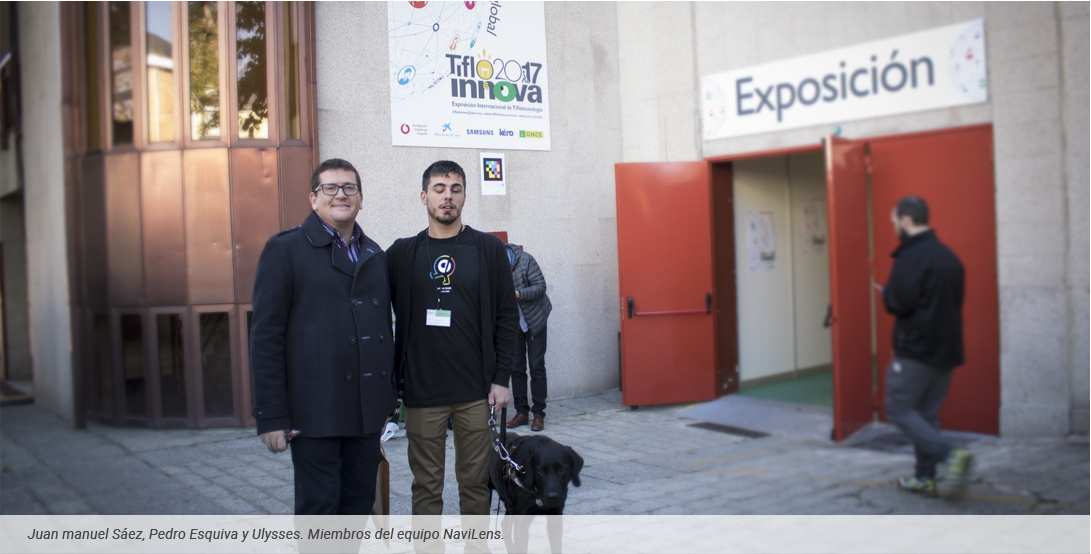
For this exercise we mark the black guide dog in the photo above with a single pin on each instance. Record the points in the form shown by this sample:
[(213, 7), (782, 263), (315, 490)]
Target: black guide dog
[(540, 488)]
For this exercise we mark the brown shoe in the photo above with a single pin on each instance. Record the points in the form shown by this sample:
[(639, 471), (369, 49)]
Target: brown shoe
[(518, 420), (538, 424)]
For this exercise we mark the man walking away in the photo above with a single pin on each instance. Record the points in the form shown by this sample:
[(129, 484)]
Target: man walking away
[(924, 294)]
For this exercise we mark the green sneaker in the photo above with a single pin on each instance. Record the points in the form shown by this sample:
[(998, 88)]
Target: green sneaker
[(959, 464), (922, 486)]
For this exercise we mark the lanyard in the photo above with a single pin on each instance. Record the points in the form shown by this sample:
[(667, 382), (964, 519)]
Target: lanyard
[(428, 250)]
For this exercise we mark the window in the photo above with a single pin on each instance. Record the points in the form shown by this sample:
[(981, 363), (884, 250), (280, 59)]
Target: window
[(253, 97), (204, 71), (160, 62), (172, 365), (121, 73)]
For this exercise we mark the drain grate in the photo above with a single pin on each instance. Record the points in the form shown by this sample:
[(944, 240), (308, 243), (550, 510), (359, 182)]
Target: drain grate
[(718, 427)]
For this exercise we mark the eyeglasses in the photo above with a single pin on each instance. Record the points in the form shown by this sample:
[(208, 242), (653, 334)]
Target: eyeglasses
[(350, 189)]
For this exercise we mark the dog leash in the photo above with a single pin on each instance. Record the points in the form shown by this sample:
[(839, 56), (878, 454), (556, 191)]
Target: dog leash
[(498, 444)]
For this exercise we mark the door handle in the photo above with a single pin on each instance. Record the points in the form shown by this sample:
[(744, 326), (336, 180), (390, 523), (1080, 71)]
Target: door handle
[(708, 308)]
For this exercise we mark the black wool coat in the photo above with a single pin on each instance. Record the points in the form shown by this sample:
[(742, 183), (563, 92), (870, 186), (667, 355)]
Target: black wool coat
[(321, 347)]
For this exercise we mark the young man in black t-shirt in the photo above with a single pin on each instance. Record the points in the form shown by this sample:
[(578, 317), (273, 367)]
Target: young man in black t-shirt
[(455, 330)]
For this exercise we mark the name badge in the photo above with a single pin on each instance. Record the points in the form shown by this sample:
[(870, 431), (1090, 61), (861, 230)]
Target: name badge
[(438, 318)]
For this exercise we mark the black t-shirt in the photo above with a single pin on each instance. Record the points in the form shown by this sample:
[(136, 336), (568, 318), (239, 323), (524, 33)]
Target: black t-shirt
[(446, 362)]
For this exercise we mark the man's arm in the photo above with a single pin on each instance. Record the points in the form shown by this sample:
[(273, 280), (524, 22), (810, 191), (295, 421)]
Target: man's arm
[(901, 290), (536, 283), (506, 330), (268, 334)]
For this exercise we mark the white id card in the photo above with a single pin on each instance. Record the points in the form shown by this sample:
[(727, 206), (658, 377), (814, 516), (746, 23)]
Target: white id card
[(438, 318)]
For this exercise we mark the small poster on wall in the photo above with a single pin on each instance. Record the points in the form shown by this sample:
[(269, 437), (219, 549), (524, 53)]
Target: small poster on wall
[(493, 174), (814, 225), (762, 240)]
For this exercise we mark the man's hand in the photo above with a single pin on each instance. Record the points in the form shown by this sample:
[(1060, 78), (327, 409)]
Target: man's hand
[(499, 396), (275, 441)]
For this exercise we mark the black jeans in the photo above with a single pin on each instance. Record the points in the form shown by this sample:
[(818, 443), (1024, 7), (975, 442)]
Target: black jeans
[(532, 348), (336, 475)]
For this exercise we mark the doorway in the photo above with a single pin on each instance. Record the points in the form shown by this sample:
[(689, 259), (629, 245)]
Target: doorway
[(781, 268), (682, 236)]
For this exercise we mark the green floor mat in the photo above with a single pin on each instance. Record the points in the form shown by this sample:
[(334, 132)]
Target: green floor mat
[(815, 389)]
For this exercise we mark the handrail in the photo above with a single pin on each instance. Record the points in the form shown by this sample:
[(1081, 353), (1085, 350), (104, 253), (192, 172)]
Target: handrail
[(633, 311)]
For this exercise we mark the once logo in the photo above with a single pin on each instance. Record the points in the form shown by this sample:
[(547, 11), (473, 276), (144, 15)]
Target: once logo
[(531, 134)]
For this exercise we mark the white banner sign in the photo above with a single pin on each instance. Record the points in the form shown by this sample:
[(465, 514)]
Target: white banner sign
[(468, 75), (933, 69)]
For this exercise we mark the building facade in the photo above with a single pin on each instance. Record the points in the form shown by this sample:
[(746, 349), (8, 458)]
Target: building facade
[(131, 221)]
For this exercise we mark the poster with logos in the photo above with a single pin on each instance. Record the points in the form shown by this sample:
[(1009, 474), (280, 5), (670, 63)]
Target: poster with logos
[(938, 68), (761, 239), (468, 75)]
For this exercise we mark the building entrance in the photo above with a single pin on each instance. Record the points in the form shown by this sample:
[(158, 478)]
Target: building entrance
[(786, 247)]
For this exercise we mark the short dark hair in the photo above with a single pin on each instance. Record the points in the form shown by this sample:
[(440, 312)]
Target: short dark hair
[(332, 163), (913, 206), (440, 168)]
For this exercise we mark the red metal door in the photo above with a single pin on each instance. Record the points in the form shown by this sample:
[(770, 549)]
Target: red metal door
[(665, 278), (953, 171), (850, 285)]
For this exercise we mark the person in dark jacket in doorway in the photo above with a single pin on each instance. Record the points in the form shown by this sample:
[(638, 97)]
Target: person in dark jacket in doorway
[(534, 308), (456, 321), (924, 294), (321, 354)]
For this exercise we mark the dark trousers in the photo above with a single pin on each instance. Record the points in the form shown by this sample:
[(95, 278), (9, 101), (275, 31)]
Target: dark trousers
[(532, 348), (914, 394), (336, 475)]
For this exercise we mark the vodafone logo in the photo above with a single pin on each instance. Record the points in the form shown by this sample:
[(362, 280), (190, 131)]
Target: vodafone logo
[(405, 129)]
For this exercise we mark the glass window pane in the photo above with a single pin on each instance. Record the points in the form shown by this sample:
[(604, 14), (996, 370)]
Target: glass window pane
[(204, 71), (91, 54), (121, 73), (250, 59), (132, 364), (172, 365), (291, 69), (105, 366), (160, 72), (216, 365)]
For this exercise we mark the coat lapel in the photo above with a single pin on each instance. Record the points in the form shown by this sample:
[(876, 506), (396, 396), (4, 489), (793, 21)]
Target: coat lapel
[(320, 238)]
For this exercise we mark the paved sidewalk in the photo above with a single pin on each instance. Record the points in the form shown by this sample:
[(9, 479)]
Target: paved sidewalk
[(647, 461)]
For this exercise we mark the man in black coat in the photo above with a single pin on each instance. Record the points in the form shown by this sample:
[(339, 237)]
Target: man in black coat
[(924, 293), (456, 325), (321, 350)]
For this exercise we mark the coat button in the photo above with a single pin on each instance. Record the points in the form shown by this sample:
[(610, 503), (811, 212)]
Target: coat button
[(381, 337), (348, 376), (375, 302), (352, 340), (383, 374), (355, 302)]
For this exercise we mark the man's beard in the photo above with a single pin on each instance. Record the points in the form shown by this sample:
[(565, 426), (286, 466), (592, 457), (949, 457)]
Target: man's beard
[(444, 218)]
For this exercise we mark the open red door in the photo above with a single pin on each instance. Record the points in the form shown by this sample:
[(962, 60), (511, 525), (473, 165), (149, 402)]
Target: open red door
[(850, 286), (665, 280), (952, 170)]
